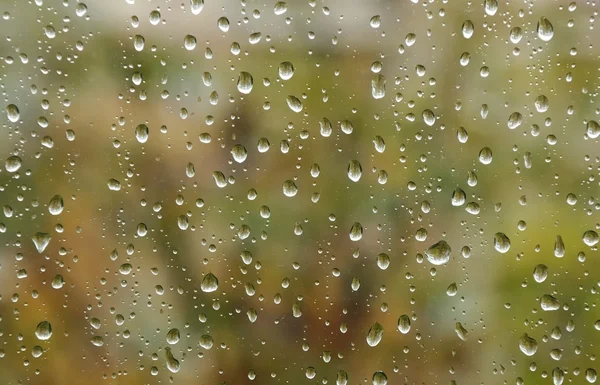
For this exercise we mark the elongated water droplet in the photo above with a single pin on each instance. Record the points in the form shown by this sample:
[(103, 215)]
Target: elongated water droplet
[(379, 378), (375, 334), (294, 103), (356, 232), (378, 86), (173, 336), (590, 238), (245, 82), (172, 363), (490, 7), (56, 205), (461, 332), (139, 42), (467, 29), (141, 133), (12, 113), (280, 8), (501, 243), (404, 324), (354, 170), (540, 273), (545, 30), (196, 6)]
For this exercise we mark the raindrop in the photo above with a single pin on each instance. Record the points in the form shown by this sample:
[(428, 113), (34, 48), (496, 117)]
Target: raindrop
[(43, 331), (528, 345), (56, 205), (245, 82), (545, 30), (209, 283), (41, 241), (501, 243), (354, 170), (12, 112), (375, 334), (438, 253), (289, 188)]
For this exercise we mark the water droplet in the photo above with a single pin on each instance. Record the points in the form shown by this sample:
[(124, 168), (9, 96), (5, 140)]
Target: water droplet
[(294, 103), (379, 378), (378, 86), (223, 24), (206, 342), (438, 253), (461, 332), (375, 21), (341, 378), (559, 247), (13, 163), (458, 197), (404, 324), (467, 29), (545, 30), (501, 243), (56, 205), (346, 127), (139, 42), (354, 170), (239, 153), (41, 241), (452, 290), (514, 120), (485, 155), (592, 129), (490, 7), (245, 83), (81, 9), (172, 363), (549, 303), (289, 188), (209, 283), (141, 133), (154, 17), (590, 238), (43, 331), (173, 336), (540, 273), (219, 179), (528, 345), (280, 8), (12, 113), (196, 6), (286, 70), (516, 34), (356, 232), (542, 103), (189, 42), (375, 334), (383, 261)]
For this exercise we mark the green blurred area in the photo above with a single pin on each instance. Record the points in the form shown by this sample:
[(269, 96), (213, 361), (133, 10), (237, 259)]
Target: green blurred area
[(81, 80)]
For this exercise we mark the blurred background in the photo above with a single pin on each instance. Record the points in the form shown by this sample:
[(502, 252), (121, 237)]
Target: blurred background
[(146, 227)]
